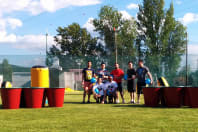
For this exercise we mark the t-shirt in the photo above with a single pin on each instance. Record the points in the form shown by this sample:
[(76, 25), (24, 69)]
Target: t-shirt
[(117, 75), (101, 88), (102, 72), (111, 86), (141, 73), (130, 74), (88, 74)]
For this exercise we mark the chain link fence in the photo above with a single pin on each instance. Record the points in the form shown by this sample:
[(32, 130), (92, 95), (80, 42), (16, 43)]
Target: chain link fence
[(66, 71)]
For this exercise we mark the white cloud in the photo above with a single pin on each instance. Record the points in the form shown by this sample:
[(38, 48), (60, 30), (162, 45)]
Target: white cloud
[(192, 49), (90, 27), (9, 22), (189, 18), (125, 15), (178, 2), (38, 6), (133, 6), (28, 42)]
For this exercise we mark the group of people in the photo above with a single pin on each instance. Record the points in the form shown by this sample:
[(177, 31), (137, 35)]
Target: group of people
[(109, 84)]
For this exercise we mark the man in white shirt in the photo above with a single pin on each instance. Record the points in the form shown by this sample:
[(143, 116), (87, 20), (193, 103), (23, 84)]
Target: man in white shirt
[(111, 90), (99, 91)]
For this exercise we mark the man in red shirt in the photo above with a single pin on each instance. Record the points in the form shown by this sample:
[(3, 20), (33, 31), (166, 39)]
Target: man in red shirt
[(117, 77)]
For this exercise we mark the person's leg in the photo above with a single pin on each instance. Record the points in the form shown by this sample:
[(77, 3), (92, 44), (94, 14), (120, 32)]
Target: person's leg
[(121, 93), (133, 96), (138, 92), (84, 95)]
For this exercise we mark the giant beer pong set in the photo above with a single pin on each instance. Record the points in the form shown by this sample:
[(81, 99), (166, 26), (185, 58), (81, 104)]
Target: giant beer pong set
[(171, 96), (35, 96)]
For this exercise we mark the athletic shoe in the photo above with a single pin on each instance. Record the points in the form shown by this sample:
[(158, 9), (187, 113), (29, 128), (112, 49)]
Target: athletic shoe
[(132, 102), (88, 102), (117, 101), (83, 102)]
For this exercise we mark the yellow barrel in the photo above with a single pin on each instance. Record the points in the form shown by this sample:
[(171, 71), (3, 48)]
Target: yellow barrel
[(40, 76)]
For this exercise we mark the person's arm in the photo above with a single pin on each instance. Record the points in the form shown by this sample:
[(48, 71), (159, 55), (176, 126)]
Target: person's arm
[(83, 79), (150, 76)]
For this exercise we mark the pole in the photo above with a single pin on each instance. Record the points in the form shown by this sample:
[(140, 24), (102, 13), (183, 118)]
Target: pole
[(116, 52), (46, 42), (186, 59)]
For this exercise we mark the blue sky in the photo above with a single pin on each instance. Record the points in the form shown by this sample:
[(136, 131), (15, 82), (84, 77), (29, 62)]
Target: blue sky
[(24, 23)]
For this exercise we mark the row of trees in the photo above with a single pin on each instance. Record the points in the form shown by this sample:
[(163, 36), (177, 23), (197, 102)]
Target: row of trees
[(156, 36)]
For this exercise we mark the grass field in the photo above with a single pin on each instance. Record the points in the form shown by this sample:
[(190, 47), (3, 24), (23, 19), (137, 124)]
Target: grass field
[(77, 117)]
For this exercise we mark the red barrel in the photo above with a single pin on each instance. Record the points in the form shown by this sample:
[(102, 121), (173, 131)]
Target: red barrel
[(173, 96), (151, 96), (34, 97), (58, 96), (55, 96), (11, 97), (186, 99), (193, 92)]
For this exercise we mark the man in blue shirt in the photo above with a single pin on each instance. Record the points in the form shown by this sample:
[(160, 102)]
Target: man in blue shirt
[(141, 73)]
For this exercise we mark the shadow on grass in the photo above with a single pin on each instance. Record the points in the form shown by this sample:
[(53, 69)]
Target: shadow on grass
[(143, 106)]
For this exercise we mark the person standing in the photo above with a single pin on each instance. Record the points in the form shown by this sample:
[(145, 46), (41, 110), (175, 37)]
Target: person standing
[(103, 73), (87, 74), (131, 86), (141, 73), (117, 77)]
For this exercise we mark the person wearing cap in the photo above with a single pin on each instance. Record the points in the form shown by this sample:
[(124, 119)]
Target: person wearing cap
[(141, 73)]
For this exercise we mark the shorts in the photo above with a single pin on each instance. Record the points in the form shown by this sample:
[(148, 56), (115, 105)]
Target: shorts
[(88, 84), (131, 87), (139, 87), (119, 87)]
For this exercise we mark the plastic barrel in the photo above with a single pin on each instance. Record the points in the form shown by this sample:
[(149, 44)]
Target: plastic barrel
[(193, 92), (58, 97), (173, 96), (40, 76), (11, 98), (151, 96)]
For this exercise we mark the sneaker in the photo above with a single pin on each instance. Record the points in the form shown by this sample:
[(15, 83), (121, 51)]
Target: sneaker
[(138, 102), (83, 102), (132, 102), (117, 101), (88, 102)]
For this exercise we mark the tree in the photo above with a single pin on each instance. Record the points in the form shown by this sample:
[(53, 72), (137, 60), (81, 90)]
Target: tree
[(163, 37), (72, 43), (110, 19), (76, 41), (6, 70)]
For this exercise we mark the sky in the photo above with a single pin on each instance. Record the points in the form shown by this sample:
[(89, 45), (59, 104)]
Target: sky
[(24, 23)]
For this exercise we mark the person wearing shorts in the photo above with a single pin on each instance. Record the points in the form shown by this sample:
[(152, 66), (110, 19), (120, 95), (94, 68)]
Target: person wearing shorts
[(131, 86), (111, 90), (117, 77), (101, 95), (87, 75), (141, 73)]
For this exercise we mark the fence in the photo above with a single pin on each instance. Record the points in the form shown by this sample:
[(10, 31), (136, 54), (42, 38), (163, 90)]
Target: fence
[(67, 70)]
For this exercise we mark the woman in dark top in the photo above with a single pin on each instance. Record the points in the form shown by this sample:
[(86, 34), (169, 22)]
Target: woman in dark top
[(131, 74)]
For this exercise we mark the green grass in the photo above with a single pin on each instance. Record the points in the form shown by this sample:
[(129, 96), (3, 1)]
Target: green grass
[(77, 117)]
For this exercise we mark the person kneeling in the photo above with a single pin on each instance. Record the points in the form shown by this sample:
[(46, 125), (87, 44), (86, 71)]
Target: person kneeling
[(99, 91), (111, 90)]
